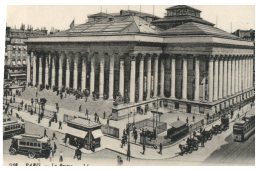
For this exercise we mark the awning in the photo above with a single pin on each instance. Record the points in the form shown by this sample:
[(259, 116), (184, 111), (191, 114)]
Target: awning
[(97, 133), (76, 132)]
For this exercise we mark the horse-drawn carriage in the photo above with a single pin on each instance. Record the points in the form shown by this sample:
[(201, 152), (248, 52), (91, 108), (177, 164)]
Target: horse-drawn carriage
[(221, 125), (190, 145)]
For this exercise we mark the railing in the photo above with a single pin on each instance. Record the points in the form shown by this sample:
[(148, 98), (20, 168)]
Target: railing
[(161, 126), (109, 130)]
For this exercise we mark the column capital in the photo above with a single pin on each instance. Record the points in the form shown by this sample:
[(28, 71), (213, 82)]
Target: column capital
[(133, 56)]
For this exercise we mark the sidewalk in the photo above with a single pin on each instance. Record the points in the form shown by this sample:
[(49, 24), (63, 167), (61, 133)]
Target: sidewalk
[(113, 144)]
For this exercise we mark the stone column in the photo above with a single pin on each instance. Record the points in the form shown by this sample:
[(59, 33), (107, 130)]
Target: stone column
[(68, 71), (239, 74), (28, 73), (132, 80), (53, 71), (229, 77), (122, 77), (210, 79), (141, 79), (184, 78), (225, 72), (92, 74), (75, 71), (84, 73), (46, 70), (34, 68), (251, 71), (101, 76), (149, 73), (220, 79), (248, 72), (242, 74), (233, 75), (155, 89), (111, 76), (162, 78), (40, 71), (197, 79), (215, 79), (236, 81), (245, 73), (173, 76), (61, 57)]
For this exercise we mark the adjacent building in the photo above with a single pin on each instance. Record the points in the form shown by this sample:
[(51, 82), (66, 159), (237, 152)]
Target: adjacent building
[(181, 60), (16, 52)]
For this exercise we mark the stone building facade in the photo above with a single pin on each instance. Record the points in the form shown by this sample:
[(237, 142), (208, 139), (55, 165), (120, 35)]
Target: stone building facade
[(16, 51), (193, 67)]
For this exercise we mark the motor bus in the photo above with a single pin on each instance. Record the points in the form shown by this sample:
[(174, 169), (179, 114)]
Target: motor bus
[(243, 128), (12, 128), (34, 146)]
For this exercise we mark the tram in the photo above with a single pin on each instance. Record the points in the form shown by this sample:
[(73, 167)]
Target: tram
[(31, 145), (243, 128), (12, 128)]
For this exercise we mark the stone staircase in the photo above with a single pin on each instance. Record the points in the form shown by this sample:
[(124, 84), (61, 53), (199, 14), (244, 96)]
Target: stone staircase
[(70, 103)]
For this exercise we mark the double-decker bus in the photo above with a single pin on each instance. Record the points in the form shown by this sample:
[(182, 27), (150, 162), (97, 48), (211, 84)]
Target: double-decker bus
[(243, 128), (31, 145), (12, 128)]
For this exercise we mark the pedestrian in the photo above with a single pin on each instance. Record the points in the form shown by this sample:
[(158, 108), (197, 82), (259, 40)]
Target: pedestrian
[(122, 142), (51, 154), (193, 118), (50, 123), (104, 115), (135, 136), (143, 148), (86, 113), (160, 147), (54, 147), (79, 108), (11, 111), (60, 125), (61, 157), (187, 120), (45, 132), (202, 141), (54, 136), (95, 117)]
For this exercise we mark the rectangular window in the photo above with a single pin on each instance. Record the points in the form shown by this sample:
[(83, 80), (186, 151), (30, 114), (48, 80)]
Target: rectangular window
[(201, 109), (22, 143), (176, 105)]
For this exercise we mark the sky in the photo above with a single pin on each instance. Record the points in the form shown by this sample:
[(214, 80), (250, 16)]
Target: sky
[(226, 17)]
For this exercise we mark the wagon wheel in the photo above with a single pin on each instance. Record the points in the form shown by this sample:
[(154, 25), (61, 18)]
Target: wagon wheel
[(12, 151), (31, 155)]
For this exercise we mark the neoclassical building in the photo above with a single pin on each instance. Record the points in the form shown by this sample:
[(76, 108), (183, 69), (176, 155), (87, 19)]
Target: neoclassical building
[(191, 67)]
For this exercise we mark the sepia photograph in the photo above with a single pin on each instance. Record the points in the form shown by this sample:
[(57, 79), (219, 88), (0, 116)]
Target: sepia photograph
[(129, 85)]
